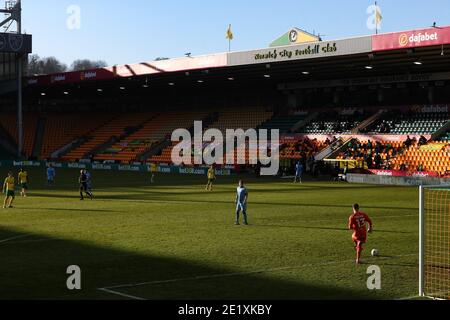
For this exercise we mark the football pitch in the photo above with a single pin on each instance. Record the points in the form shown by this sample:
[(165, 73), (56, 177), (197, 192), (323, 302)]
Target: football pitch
[(174, 240)]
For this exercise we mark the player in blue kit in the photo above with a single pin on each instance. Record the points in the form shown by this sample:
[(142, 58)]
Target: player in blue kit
[(298, 172), (51, 173), (89, 181), (241, 202)]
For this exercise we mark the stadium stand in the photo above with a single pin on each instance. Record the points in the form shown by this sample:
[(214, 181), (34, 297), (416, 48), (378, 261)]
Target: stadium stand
[(9, 122), (112, 129), (4, 154), (333, 122), (283, 123), (433, 157), (126, 137), (233, 118), (400, 156), (240, 119), (62, 129), (165, 156), (152, 132), (409, 123), (229, 118), (377, 155), (301, 148), (446, 137)]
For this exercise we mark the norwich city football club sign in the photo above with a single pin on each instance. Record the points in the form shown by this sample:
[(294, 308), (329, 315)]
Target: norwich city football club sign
[(310, 50), (318, 49)]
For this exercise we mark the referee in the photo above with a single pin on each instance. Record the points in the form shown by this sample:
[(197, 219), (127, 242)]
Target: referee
[(83, 181)]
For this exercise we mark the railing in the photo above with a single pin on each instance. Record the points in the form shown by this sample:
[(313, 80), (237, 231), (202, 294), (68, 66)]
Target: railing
[(368, 122)]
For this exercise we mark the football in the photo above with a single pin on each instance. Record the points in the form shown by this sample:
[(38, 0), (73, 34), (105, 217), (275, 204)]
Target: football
[(375, 253)]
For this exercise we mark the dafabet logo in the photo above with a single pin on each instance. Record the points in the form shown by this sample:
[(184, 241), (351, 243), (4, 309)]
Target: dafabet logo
[(403, 40), (417, 38)]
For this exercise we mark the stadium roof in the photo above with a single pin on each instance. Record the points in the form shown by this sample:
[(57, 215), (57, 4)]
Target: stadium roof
[(416, 52)]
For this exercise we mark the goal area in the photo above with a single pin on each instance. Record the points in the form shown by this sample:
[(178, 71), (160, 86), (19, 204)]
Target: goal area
[(434, 237)]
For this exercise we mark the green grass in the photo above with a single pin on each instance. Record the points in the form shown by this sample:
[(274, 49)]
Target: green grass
[(297, 246)]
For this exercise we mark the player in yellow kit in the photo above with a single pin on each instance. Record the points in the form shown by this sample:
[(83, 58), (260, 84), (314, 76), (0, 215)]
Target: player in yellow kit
[(23, 181), (153, 171), (211, 178), (8, 190)]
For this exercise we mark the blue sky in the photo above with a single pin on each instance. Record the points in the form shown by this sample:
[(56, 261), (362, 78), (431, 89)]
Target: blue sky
[(120, 32)]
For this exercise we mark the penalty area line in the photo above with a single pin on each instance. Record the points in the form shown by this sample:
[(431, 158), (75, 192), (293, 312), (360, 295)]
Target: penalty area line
[(112, 289), (117, 293), (15, 238), (408, 298), (11, 243)]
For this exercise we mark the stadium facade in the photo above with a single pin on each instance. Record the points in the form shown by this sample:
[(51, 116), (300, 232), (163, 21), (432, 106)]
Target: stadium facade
[(408, 46)]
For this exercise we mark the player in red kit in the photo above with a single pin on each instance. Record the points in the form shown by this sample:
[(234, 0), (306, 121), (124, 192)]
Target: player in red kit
[(358, 224)]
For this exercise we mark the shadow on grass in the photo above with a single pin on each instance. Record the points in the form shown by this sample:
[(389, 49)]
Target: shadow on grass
[(70, 210), (37, 270), (324, 228), (167, 198)]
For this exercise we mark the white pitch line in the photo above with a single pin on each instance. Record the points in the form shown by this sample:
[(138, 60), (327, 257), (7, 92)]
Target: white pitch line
[(236, 274), (121, 294), (30, 241), (408, 298), (374, 217), (15, 237)]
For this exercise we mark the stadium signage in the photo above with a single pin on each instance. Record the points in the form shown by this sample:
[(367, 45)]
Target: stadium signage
[(128, 168), (302, 51), (289, 54), (15, 43), (164, 169), (76, 166), (395, 173), (194, 171), (434, 109), (115, 167), (56, 164), (26, 163), (190, 170), (97, 166), (411, 39), (58, 78), (88, 75), (418, 38), (140, 69)]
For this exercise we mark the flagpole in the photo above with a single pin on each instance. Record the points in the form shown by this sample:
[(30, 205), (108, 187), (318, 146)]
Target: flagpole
[(229, 32), (376, 17), (230, 37)]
